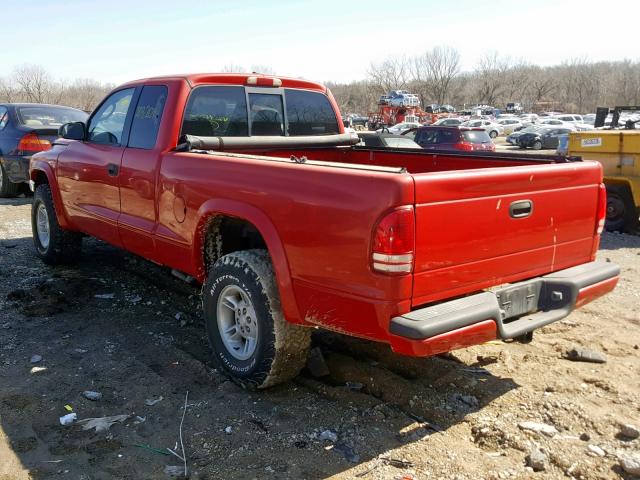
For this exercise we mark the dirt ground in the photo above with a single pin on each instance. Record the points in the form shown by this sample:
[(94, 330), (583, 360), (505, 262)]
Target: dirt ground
[(125, 328)]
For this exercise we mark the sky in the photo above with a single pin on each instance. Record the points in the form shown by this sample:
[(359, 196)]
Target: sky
[(115, 41)]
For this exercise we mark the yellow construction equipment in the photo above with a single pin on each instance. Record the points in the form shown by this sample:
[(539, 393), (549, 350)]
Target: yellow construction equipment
[(619, 153)]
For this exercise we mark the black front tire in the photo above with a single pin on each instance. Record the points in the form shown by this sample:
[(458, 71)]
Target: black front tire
[(63, 246), (537, 145), (493, 134), (622, 215), (281, 349), (8, 189)]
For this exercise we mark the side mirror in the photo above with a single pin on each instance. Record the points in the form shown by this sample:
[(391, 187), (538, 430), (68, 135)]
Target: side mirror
[(73, 131)]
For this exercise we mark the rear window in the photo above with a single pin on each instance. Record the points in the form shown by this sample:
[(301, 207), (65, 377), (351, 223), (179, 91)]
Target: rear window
[(216, 112), (46, 116), (476, 136), (310, 113)]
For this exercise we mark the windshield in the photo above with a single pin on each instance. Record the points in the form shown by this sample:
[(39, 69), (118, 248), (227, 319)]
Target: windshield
[(476, 136), (46, 116)]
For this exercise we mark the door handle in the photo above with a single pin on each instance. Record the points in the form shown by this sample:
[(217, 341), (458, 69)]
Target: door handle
[(521, 209), (112, 169)]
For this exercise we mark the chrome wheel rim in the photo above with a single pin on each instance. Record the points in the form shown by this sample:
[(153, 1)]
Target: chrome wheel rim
[(42, 226), (237, 322)]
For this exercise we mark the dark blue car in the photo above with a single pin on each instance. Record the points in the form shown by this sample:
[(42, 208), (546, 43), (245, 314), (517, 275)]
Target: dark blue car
[(25, 129)]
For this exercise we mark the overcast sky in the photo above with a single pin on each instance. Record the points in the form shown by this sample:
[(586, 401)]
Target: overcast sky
[(116, 40)]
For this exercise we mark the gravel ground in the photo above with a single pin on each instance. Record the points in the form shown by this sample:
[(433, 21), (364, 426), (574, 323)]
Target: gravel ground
[(125, 328)]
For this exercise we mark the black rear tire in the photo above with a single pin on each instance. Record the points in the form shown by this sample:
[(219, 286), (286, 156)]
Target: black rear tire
[(281, 348), (63, 246), (622, 215), (537, 145), (8, 189)]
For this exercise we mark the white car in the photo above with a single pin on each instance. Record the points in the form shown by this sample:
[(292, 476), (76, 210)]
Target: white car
[(510, 125), (492, 128), (399, 128), (556, 122), (449, 122), (576, 120), (529, 118)]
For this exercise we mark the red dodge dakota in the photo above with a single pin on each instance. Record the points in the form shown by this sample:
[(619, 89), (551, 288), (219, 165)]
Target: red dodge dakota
[(250, 185)]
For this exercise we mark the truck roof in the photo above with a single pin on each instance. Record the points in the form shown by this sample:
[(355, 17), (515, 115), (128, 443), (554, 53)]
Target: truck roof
[(196, 79)]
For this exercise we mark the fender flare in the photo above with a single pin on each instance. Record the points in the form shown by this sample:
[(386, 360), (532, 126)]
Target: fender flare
[(232, 208), (42, 166)]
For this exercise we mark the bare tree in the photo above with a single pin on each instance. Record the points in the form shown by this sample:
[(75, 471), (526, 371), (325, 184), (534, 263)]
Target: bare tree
[(34, 82), (435, 70), (490, 77), (8, 91), (390, 74)]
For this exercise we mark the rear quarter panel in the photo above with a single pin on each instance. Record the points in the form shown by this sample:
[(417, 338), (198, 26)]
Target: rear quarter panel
[(321, 218)]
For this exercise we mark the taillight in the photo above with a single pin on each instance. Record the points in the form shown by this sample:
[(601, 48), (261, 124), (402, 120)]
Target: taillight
[(465, 146), (32, 143), (601, 214), (393, 242)]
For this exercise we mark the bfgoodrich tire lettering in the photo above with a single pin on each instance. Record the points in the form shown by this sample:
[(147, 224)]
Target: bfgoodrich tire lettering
[(281, 348), (58, 245)]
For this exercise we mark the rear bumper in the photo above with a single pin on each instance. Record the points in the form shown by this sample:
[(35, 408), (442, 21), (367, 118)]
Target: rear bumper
[(506, 312), (17, 168)]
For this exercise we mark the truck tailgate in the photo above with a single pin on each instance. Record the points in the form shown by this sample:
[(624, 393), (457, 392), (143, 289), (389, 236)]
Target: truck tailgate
[(481, 228)]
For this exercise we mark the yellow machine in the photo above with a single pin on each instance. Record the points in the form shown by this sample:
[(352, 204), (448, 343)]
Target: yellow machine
[(619, 153)]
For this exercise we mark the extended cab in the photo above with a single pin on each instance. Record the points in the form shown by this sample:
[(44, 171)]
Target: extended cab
[(249, 184)]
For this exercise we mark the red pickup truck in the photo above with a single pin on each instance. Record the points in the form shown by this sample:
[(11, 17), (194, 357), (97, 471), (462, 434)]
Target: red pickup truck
[(249, 184)]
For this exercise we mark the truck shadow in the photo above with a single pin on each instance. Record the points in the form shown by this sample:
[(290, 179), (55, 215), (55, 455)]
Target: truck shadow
[(614, 241), (124, 327)]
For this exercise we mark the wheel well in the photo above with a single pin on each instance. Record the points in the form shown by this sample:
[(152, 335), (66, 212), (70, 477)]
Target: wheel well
[(39, 178), (225, 234)]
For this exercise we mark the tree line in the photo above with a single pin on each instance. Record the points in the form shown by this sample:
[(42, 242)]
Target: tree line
[(574, 86), (33, 84)]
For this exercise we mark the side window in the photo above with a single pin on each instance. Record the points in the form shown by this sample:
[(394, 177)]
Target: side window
[(146, 119), (4, 117), (309, 113), (216, 111), (107, 124), (266, 114)]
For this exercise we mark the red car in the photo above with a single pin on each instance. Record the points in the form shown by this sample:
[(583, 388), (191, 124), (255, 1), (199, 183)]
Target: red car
[(437, 137), (249, 184)]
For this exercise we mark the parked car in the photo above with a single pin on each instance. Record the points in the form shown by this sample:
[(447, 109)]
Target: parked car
[(402, 98), (422, 251), (398, 128), (492, 128), (25, 129), (384, 100), (510, 125), (452, 138), (576, 120), (448, 122), (513, 107), (544, 138), (385, 140), (513, 137), (528, 118), (556, 122)]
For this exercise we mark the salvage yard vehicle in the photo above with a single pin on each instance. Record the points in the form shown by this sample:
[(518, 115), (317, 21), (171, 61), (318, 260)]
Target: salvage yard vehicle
[(492, 128), (619, 153), (27, 128), (442, 138), (542, 138), (248, 184)]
